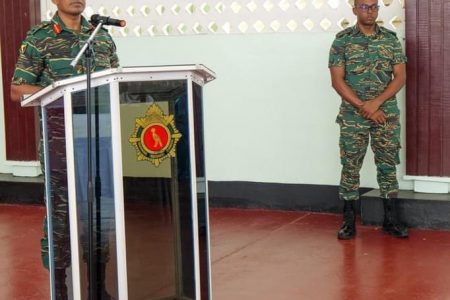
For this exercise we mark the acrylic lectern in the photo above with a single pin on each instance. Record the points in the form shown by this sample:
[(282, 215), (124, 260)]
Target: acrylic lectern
[(147, 236)]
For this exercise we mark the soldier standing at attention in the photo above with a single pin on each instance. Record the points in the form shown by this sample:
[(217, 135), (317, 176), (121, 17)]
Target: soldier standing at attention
[(44, 57), (367, 67)]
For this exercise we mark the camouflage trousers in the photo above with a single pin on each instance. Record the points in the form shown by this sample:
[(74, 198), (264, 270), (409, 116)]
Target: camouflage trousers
[(57, 196), (385, 144), (58, 200), (60, 226)]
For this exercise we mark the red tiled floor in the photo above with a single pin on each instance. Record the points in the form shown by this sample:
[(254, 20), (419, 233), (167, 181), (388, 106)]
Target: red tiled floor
[(302, 259), (269, 255), (22, 276)]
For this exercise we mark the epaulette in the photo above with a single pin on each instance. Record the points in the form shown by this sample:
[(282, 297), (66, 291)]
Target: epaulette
[(38, 27), (346, 31), (388, 31)]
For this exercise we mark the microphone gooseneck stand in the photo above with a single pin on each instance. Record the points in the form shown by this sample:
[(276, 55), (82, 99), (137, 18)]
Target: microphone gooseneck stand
[(87, 51)]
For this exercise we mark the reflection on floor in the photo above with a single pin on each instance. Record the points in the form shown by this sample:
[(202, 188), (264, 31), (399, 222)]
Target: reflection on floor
[(268, 255), (151, 252)]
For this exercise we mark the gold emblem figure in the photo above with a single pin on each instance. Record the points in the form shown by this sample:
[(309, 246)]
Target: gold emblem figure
[(156, 138)]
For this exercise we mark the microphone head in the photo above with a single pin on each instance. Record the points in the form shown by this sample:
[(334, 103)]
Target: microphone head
[(95, 19)]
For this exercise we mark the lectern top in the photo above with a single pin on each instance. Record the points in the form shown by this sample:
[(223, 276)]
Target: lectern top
[(200, 71)]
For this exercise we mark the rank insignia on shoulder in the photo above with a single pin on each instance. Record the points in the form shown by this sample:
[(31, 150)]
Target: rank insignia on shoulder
[(57, 28), (23, 48), (155, 136)]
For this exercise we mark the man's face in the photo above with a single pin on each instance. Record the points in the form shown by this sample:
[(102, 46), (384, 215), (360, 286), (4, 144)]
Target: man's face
[(366, 11), (70, 7)]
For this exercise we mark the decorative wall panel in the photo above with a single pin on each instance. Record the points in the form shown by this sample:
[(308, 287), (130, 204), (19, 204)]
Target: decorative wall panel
[(191, 17)]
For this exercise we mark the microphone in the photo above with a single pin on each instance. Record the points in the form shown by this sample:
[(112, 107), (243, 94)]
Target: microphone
[(96, 19)]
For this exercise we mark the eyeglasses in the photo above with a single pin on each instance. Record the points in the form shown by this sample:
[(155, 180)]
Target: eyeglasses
[(365, 7)]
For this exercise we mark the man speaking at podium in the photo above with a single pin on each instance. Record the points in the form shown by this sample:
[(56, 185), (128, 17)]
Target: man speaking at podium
[(44, 57)]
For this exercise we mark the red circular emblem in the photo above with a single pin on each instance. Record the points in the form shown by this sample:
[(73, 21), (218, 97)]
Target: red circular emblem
[(155, 137)]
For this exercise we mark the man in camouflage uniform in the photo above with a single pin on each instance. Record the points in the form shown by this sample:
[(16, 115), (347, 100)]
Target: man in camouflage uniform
[(44, 57), (367, 68)]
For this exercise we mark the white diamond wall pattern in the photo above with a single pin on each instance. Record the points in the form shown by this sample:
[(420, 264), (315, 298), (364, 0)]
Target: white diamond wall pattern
[(192, 17)]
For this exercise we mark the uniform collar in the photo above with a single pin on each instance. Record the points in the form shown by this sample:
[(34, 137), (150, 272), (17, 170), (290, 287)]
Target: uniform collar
[(356, 30), (58, 25)]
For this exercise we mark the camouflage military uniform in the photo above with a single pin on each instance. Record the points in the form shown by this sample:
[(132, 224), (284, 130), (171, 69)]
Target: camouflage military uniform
[(44, 57), (368, 62)]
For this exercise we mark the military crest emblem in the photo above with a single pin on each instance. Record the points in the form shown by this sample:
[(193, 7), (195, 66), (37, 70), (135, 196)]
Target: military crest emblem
[(155, 136)]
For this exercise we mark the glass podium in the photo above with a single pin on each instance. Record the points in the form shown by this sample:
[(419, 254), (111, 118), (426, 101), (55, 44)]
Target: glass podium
[(147, 236)]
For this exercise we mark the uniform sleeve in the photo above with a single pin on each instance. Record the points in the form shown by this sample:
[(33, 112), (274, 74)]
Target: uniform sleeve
[(399, 56), (337, 57), (29, 64), (114, 58), (106, 51)]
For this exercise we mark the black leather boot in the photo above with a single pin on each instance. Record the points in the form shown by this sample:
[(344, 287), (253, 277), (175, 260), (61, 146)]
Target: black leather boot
[(60, 284), (392, 224), (348, 228)]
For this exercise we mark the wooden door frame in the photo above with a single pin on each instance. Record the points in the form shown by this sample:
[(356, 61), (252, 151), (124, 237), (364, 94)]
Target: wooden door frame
[(21, 124)]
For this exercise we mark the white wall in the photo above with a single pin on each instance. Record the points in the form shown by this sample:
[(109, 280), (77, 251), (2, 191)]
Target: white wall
[(270, 113)]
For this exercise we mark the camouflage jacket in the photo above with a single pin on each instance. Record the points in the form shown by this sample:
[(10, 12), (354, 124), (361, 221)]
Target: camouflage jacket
[(368, 61), (49, 48)]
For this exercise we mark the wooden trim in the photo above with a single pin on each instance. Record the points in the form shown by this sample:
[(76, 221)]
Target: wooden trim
[(21, 126), (428, 89)]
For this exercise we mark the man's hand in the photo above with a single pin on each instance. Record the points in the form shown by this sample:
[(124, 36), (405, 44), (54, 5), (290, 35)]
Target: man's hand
[(368, 108), (378, 117), (17, 91)]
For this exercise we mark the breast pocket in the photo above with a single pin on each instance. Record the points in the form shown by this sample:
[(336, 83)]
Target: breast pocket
[(355, 58), (384, 60), (60, 67)]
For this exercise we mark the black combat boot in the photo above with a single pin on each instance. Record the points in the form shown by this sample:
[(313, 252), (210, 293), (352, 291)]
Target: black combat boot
[(60, 284), (392, 224), (348, 228)]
